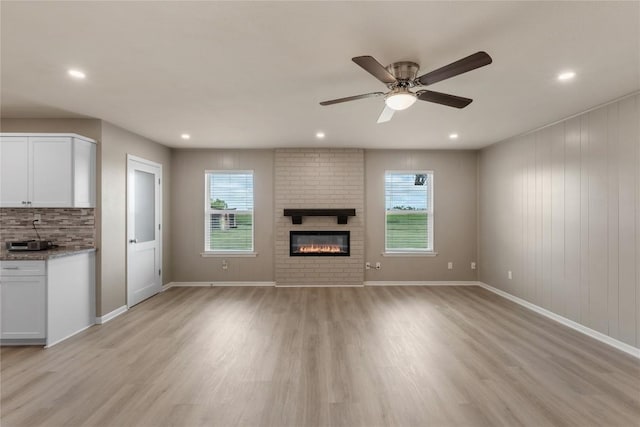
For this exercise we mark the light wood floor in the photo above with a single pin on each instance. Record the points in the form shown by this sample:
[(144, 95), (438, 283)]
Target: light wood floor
[(402, 356)]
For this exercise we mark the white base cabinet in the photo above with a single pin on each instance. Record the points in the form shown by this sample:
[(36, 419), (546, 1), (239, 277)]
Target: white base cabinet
[(45, 302), (22, 301)]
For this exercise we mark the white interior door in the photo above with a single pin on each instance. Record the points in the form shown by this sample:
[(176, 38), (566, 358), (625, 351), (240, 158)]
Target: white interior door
[(144, 240)]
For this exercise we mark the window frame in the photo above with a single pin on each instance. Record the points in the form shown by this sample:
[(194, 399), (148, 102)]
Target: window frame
[(208, 251), (430, 250)]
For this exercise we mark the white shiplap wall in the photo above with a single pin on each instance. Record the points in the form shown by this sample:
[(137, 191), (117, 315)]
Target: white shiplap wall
[(560, 208)]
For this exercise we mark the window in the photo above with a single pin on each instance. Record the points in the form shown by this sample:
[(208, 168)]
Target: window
[(228, 211), (408, 211)]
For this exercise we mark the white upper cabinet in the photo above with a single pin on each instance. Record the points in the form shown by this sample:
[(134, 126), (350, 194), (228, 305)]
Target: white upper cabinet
[(47, 171), (84, 174), (50, 175), (14, 165)]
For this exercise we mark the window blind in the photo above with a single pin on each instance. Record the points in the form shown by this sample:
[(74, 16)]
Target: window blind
[(409, 211), (229, 211)]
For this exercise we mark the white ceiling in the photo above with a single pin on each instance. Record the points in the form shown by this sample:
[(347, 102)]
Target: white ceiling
[(251, 74)]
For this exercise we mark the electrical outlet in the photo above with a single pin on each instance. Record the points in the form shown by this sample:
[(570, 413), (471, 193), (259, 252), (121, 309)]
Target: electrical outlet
[(225, 265), (367, 266), (450, 265), (473, 265), (37, 217), (378, 266), (509, 275)]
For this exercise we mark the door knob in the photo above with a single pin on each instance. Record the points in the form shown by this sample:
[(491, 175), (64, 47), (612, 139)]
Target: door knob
[(133, 241)]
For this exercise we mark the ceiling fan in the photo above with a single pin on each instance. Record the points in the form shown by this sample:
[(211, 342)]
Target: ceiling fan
[(400, 77)]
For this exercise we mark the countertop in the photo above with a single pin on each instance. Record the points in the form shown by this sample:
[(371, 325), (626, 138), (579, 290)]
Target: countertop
[(62, 251)]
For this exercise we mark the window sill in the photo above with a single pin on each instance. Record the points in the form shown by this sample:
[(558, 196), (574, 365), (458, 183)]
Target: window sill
[(410, 254), (220, 254)]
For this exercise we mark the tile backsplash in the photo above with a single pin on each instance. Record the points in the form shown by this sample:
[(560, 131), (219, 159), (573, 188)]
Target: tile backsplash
[(63, 226)]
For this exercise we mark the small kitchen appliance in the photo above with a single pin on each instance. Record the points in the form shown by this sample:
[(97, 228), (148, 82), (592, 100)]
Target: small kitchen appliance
[(30, 245)]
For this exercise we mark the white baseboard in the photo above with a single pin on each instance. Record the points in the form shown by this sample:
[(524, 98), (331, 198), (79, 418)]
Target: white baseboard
[(319, 286), (629, 349), (49, 345), (110, 316), (370, 283), (421, 283), (211, 284)]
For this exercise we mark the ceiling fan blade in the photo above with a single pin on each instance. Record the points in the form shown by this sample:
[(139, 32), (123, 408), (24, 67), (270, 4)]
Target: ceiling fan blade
[(471, 62), (386, 115), (443, 98), (374, 68), (352, 98)]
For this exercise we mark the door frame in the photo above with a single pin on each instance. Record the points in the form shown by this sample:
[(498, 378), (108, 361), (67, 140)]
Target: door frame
[(129, 219)]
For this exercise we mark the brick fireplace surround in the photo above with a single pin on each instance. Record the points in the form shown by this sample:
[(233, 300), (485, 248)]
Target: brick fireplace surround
[(318, 179)]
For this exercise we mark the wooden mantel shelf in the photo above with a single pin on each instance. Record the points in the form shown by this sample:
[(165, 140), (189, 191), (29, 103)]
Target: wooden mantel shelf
[(297, 214)]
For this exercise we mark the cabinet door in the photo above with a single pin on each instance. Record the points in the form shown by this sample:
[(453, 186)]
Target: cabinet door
[(51, 172), (22, 304), (14, 176), (84, 174)]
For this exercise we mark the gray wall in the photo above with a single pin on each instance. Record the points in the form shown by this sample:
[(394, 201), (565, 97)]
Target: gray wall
[(455, 237), (187, 211), (455, 215), (560, 207), (112, 212)]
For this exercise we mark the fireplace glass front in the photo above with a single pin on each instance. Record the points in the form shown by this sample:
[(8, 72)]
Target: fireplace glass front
[(319, 243)]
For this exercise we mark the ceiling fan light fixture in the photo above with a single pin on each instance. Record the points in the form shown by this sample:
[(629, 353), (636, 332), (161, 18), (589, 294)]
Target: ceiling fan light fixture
[(400, 99)]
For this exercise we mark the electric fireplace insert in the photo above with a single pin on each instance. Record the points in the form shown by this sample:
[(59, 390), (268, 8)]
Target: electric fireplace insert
[(319, 243)]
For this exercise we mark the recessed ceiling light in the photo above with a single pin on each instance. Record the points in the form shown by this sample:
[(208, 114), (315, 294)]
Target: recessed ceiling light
[(453, 136), (76, 74), (567, 75), (185, 136), (320, 135)]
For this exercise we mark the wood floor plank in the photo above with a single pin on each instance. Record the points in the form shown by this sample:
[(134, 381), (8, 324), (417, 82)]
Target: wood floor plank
[(378, 356)]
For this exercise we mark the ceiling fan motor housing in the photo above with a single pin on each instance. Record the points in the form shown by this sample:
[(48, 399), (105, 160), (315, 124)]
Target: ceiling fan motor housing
[(405, 72), (400, 77)]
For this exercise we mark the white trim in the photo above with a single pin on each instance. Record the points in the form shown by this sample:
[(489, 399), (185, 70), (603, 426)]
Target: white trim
[(212, 284), (629, 349), (66, 135), (208, 211), (68, 336), (320, 286), (167, 286), (430, 211), (129, 220), (112, 315), (421, 283), (410, 254), (221, 254), (143, 160)]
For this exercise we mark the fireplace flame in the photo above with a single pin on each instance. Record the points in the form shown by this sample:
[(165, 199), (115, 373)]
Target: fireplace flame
[(313, 248)]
